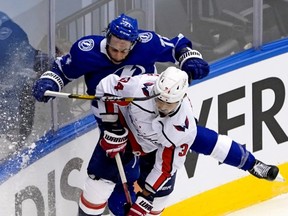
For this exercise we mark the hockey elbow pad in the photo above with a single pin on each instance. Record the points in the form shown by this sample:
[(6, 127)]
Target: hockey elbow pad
[(192, 63), (48, 81)]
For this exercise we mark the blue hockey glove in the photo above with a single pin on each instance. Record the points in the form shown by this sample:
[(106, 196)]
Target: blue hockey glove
[(192, 63), (41, 86), (48, 81)]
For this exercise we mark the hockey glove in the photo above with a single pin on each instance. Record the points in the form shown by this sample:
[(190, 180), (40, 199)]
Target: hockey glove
[(192, 63), (114, 141), (142, 206), (48, 81)]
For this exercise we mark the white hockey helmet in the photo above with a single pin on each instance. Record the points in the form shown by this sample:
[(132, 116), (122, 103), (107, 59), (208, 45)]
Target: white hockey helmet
[(172, 85)]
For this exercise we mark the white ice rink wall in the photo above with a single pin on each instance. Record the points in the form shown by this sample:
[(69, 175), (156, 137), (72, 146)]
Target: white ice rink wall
[(244, 96)]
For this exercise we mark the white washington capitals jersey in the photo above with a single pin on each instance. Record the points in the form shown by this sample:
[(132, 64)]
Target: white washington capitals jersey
[(172, 135)]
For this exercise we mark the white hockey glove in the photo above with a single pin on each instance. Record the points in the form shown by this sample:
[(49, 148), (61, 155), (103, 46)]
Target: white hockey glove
[(114, 141)]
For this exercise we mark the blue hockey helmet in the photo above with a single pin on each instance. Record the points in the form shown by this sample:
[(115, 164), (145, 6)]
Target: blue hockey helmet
[(124, 27)]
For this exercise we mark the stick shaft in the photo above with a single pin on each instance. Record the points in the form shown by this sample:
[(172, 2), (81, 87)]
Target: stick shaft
[(93, 97), (123, 178)]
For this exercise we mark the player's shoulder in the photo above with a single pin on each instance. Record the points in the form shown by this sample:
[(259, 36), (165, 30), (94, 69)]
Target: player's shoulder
[(183, 126), (184, 115), (180, 130), (146, 36), (96, 38), (186, 108), (87, 45), (147, 78), (138, 83), (88, 42)]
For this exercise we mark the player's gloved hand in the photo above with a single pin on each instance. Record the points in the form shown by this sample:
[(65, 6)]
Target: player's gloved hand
[(142, 206), (48, 81), (42, 85), (114, 140), (192, 63)]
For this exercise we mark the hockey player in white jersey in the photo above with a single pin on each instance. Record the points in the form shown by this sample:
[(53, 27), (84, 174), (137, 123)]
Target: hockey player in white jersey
[(152, 127), (153, 138)]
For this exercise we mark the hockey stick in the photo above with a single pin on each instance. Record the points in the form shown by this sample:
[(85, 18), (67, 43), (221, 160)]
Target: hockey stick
[(93, 97), (123, 178)]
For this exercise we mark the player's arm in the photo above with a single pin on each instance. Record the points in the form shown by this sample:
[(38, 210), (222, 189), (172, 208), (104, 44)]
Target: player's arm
[(63, 71), (113, 135), (53, 80), (179, 49)]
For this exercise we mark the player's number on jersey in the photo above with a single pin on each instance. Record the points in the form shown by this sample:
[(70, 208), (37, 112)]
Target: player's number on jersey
[(165, 43), (184, 148)]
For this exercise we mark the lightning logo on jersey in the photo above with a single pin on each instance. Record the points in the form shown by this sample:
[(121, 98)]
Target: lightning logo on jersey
[(184, 126)]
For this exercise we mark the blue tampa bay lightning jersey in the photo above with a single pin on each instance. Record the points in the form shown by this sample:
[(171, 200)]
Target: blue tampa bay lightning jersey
[(88, 57)]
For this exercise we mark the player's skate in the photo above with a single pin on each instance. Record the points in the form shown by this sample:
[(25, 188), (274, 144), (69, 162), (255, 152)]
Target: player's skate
[(264, 171)]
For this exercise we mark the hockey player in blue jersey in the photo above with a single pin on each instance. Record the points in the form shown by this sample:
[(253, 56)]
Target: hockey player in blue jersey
[(124, 50)]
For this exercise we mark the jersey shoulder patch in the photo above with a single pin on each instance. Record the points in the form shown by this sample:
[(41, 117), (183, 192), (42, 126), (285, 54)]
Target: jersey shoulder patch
[(183, 126), (86, 44), (145, 37)]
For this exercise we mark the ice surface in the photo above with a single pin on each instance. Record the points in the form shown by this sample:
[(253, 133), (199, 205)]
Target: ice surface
[(277, 206)]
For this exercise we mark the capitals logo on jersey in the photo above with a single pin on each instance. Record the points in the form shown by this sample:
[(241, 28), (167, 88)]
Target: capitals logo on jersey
[(184, 126), (145, 88)]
